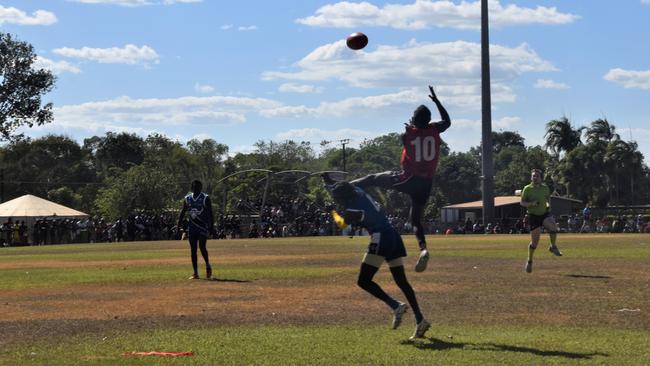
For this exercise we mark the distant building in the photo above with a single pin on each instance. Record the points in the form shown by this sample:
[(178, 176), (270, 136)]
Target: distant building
[(505, 207)]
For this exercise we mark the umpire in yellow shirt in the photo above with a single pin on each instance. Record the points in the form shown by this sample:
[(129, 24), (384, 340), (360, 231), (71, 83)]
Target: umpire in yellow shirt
[(536, 198)]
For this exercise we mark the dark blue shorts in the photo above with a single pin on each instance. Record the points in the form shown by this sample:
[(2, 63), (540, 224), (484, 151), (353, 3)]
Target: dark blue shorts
[(387, 244), (196, 236)]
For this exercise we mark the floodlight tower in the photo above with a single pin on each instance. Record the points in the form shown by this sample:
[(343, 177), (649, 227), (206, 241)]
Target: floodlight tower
[(487, 184)]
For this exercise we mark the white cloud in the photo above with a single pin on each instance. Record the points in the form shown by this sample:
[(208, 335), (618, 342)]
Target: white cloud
[(645, 2), (136, 3), (299, 88), (453, 67), (11, 15), (505, 123), (467, 98), (62, 127), (412, 64), (57, 67), (288, 111), (201, 137), (205, 89), (424, 14), (146, 113), (241, 149), (630, 79), (549, 84), (240, 28), (129, 54)]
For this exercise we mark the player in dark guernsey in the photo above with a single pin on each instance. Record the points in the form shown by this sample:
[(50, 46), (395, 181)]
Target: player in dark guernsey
[(357, 207), (420, 156), (536, 198), (200, 225)]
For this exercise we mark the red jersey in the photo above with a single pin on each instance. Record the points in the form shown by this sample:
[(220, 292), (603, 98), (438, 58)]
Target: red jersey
[(421, 151)]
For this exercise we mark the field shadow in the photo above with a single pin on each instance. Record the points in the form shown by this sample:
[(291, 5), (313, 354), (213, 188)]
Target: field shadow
[(229, 280), (435, 344), (441, 345), (587, 276)]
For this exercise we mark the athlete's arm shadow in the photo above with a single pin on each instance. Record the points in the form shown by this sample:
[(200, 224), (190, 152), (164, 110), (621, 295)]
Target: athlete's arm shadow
[(440, 345)]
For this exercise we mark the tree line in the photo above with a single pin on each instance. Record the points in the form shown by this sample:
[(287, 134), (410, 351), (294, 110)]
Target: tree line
[(121, 173)]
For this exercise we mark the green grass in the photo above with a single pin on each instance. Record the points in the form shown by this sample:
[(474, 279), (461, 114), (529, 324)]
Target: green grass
[(16, 279), (348, 345), (485, 310)]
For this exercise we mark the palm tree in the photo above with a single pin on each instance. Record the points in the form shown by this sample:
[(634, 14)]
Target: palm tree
[(622, 156), (561, 136), (601, 130)]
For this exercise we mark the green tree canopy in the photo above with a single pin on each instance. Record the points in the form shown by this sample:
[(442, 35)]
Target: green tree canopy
[(504, 139), (21, 88), (141, 188), (116, 150)]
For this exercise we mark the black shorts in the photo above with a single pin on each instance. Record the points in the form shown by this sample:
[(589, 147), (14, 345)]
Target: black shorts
[(536, 221), (419, 188), (387, 244)]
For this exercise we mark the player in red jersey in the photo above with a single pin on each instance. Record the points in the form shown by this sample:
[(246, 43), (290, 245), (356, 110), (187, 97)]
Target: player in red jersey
[(420, 155)]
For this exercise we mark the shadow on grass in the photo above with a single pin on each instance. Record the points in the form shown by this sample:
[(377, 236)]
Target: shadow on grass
[(229, 280), (587, 276), (440, 345)]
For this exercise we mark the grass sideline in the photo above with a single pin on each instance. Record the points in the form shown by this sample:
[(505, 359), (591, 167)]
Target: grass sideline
[(294, 301)]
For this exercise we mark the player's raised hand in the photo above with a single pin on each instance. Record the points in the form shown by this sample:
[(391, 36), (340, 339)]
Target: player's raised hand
[(433, 94)]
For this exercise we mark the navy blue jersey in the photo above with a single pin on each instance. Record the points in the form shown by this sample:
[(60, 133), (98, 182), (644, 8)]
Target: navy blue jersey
[(385, 241), (374, 218), (199, 213)]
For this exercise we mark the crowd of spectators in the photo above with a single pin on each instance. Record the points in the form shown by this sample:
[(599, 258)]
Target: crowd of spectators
[(569, 224), (283, 218), (609, 224), (54, 230)]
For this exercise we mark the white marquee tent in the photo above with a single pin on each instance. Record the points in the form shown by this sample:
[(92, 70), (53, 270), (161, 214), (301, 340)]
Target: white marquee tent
[(30, 207)]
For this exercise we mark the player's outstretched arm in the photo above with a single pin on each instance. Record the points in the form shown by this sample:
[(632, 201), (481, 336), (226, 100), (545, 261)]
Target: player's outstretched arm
[(446, 121)]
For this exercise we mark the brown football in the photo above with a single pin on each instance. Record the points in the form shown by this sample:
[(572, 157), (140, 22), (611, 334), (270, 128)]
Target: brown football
[(357, 41)]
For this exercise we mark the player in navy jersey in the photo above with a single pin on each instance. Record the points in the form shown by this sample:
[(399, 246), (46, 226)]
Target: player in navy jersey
[(357, 207), (419, 160), (200, 225)]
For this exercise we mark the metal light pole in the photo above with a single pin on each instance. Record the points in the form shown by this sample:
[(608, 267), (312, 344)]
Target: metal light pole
[(486, 138), (343, 143)]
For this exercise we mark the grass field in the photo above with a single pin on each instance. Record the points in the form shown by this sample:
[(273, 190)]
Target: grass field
[(295, 302)]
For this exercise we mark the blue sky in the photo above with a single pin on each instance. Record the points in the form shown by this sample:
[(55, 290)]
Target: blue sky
[(243, 71)]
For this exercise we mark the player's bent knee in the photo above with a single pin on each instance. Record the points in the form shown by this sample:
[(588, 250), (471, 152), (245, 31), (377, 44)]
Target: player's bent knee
[(363, 282)]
